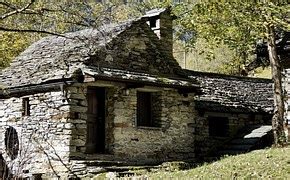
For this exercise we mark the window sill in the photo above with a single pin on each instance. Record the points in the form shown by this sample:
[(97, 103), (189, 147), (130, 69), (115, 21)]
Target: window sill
[(149, 128)]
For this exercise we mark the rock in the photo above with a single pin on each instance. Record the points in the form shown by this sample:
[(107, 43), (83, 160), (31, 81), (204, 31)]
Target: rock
[(111, 175)]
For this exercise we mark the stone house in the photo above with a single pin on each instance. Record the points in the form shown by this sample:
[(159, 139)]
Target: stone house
[(70, 103)]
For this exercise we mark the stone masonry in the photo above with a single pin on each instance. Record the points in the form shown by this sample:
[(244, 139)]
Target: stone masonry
[(139, 145), (243, 101), (44, 136), (55, 131)]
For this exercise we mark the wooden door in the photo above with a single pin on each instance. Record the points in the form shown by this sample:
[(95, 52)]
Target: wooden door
[(96, 120)]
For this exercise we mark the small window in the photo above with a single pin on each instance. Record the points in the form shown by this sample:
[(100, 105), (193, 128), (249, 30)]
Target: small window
[(218, 126), (152, 22), (144, 109), (25, 107), (149, 109)]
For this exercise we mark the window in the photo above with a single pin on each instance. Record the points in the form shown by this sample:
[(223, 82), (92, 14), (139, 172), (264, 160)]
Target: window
[(144, 109), (218, 126), (149, 109), (25, 107), (152, 22)]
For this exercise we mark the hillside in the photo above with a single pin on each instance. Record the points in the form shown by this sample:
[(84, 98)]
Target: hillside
[(261, 164)]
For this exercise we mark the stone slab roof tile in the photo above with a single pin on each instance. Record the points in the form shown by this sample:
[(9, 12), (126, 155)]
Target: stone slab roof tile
[(224, 93)]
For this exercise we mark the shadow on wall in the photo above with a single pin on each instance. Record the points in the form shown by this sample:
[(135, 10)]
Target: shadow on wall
[(12, 148), (4, 170), (11, 142)]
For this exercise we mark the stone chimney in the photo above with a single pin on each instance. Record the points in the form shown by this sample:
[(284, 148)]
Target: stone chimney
[(160, 21)]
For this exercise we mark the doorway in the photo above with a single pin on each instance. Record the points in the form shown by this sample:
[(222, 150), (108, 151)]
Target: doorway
[(96, 120)]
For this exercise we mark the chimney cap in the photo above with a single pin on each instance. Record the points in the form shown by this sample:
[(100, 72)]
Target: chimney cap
[(156, 12)]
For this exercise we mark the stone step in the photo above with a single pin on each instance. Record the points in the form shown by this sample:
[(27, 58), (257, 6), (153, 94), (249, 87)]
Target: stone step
[(126, 174), (127, 168), (96, 167), (105, 163), (254, 129), (118, 171), (100, 163), (247, 139)]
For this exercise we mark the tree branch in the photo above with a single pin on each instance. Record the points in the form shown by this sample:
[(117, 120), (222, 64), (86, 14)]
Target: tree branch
[(8, 5), (30, 31), (16, 11)]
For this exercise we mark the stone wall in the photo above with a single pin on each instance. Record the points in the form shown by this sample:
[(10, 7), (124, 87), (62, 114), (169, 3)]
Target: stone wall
[(55, 132), (137, 49), (43, 137), (172, 139)]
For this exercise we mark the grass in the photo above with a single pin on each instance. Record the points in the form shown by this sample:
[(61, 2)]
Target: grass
[(273, 163)]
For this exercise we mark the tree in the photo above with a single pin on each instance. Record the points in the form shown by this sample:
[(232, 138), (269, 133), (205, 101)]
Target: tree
[(240, 25)]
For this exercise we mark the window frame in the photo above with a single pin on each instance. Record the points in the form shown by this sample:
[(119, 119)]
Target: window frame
[(25, 106)]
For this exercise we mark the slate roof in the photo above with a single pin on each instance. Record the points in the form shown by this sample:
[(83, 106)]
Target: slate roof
[(224, 93), (57, 57)]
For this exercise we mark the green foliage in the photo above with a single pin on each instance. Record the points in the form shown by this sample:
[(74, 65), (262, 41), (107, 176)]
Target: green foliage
[(12, 44), (262, 72), (219, 59), (236, 24)]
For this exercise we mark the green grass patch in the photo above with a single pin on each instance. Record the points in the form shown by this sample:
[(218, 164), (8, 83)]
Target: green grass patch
[(273, 163)]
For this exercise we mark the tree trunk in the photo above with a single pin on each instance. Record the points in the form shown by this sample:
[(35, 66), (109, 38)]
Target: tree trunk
[(279, 108)]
